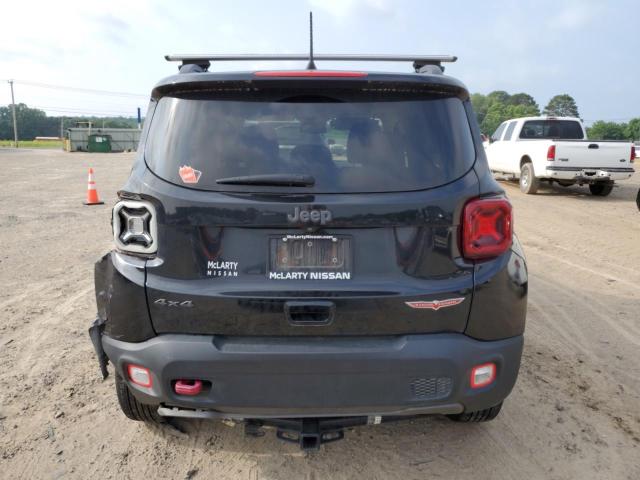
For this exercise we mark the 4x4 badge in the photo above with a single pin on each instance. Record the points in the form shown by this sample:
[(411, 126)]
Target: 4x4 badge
[(173, 303), (436, 304)]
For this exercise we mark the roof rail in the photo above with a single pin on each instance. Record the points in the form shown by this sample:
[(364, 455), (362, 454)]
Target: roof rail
[(203, 62)]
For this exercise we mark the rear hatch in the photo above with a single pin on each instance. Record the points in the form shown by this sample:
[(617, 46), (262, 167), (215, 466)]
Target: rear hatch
[(326, 209)]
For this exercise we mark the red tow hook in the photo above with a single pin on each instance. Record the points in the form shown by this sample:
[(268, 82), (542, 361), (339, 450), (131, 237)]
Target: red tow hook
[(188, 387)]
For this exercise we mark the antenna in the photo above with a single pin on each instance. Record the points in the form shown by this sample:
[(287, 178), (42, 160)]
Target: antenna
[(311, 65)]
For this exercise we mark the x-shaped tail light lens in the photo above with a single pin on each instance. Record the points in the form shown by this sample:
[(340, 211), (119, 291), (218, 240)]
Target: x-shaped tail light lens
[(135, 227)]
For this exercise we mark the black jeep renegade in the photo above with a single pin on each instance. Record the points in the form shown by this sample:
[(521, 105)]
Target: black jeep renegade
[(311, 250)]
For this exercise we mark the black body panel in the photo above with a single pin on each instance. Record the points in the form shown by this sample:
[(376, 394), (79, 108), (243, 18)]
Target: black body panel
[(405, 249), (499, 299), (121, 299)]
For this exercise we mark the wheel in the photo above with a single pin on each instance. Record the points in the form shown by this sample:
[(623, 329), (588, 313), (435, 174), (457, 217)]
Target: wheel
[(528, 182), (478, 416), (601, 189), (132, 408)]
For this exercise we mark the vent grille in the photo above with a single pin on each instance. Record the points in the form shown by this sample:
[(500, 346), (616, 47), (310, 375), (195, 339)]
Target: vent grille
[(431, 387)]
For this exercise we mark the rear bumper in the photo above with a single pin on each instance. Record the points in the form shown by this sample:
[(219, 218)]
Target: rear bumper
[(589, 175), (262, 377)]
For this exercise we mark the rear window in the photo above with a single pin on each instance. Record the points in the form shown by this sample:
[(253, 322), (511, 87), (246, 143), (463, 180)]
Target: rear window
[(566, 129), (346, 145)]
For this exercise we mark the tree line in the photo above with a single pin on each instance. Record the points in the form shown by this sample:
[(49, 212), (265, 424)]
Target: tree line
[(33, 122), (498, 106), (491, 110)]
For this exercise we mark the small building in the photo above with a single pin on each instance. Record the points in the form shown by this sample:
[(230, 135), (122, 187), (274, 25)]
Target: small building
[(102, 139)]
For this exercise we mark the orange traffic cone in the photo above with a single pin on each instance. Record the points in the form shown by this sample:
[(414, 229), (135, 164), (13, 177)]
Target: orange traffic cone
[(92, 193)]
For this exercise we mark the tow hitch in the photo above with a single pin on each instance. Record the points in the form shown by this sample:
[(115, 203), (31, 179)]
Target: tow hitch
[(309, 433)]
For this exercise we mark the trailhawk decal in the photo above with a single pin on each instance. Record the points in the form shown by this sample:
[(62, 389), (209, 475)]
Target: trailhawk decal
[(436, 304)]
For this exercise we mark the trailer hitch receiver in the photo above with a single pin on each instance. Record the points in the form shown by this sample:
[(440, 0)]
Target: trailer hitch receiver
[(310, 433)]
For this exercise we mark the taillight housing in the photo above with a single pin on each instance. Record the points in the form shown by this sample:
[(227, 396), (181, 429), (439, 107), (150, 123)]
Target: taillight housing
[(632, 158), (487, 228), (135, 226), (551, 153)]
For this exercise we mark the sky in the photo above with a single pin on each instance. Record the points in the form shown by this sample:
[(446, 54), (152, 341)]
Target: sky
[(588, 49)]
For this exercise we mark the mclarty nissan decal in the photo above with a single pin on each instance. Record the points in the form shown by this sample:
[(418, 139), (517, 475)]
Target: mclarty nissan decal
[(309, 275)]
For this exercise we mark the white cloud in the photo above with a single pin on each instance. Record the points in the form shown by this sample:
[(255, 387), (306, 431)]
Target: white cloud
[(574, 16)]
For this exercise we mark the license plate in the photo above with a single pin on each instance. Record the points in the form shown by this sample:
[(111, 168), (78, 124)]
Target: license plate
[(293, 253)]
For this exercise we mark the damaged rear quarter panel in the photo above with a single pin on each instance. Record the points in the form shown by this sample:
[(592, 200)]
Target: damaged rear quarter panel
[(121, 298)]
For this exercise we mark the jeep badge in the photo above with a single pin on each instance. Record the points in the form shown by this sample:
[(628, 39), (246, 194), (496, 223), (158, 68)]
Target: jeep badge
[(309, 216)]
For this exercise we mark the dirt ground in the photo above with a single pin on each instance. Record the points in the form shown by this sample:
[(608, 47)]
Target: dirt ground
[(574, 413)]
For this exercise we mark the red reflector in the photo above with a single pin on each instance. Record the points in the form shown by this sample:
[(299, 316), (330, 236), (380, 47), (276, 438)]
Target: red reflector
[(483, 375), (188, 387), (308, 73), (551, 153), (487, 228), (139, 375), (633, 154)]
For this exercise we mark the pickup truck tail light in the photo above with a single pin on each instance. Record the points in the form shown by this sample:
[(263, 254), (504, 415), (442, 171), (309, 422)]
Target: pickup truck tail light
[(551, 153), (487, 228), (632, 158)]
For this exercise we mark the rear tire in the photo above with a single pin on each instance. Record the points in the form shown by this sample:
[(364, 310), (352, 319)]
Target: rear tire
[(478, 416), (132, 408), (601, 189), (528, 182)]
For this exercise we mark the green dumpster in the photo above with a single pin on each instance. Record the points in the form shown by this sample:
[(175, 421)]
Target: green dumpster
[(99, 143)]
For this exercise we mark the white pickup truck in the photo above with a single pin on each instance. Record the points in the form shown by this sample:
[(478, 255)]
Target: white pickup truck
[(556, 149)]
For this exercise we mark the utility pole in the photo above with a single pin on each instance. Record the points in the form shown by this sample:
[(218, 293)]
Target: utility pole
[(13, 111)]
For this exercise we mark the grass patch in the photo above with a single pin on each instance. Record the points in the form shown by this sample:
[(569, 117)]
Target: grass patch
[(57, 144)]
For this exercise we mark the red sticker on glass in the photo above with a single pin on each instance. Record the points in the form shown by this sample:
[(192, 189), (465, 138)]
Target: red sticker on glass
[(189, 174)]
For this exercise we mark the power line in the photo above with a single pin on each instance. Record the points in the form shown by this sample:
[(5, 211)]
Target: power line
[(82, 110), (80, 90)]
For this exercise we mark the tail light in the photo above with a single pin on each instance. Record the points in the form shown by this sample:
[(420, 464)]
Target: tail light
[(487, 228), (632, 158), (483, 375), (310, 73), (551, 153), (139, 375), (135, 227)]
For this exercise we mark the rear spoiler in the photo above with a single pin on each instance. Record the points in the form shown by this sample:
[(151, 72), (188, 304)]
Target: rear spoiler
[(421, 63)]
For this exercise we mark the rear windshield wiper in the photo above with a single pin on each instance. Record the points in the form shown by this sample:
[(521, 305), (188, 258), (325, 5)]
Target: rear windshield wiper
[(271, 180)]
